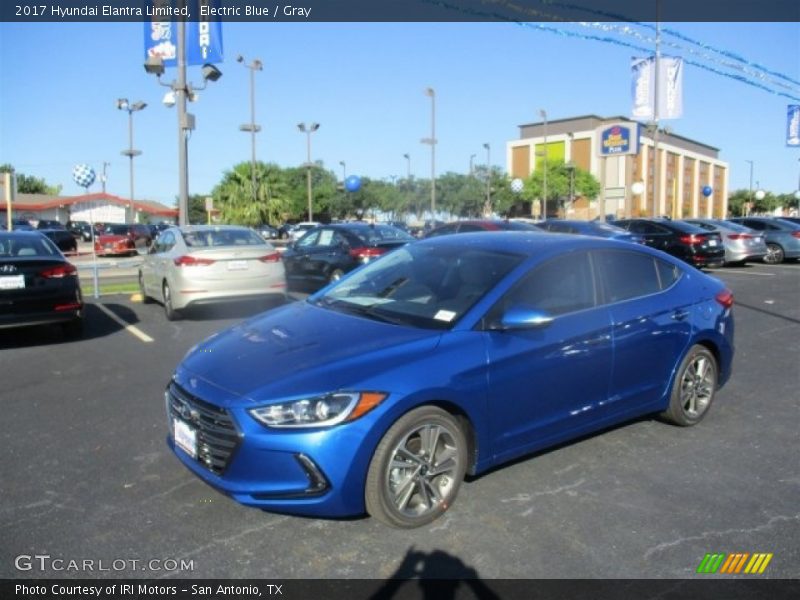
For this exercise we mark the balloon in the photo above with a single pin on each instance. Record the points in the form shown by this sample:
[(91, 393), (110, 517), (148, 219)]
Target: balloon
[(707, 191), (352, 183), (83, 175)]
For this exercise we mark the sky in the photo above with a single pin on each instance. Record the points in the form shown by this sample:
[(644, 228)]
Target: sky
[(364, 83)]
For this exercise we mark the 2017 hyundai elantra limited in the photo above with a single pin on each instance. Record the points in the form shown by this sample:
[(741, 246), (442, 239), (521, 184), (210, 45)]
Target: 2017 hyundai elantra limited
[(448, 356)]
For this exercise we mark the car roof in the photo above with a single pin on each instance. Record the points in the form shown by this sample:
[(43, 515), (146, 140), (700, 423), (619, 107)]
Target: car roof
[(525, 242)]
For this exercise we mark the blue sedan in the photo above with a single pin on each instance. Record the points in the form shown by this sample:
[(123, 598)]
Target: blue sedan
[(446, 357)]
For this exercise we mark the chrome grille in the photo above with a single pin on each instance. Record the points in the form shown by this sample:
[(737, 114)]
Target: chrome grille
[(217, 436)]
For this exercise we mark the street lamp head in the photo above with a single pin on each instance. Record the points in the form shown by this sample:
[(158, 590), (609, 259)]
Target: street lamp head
[(122, 104), (341, 162), (486, 145), (314, 126), (257, 65), (210, 72), (239, 58), (407, 156), (139, 105), (543, 114), (154, 65), (430, 92)]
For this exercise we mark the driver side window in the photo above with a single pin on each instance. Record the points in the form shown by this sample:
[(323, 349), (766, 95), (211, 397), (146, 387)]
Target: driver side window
[(559, 286)]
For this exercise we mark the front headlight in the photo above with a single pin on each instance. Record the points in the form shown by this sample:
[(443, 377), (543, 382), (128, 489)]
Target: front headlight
[(318, 411)]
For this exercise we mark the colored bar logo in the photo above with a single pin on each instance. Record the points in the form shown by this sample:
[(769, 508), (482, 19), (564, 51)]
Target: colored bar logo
[(735, 563)]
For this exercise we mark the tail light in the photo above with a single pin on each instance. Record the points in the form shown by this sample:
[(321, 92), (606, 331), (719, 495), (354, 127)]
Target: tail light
[(271, 258), (796, 233), (725, 298), (740, 236), (692, 239), (191, 261), (365, 254), (59, 272)]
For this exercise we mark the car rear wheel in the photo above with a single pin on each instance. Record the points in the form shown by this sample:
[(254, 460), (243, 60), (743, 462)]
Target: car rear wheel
[(417, 468), (693, 388), (774, 255), (171, 313)]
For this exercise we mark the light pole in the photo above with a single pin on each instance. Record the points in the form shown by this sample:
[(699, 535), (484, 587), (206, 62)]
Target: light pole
[(431, 93), (308, 130), (488, 206), (252, 127), (543, 114), (180, 92), (344, 179), (571, 167), (123, 104), (750, 201)]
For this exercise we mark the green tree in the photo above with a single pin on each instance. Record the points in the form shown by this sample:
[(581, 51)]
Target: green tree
[(558, 185), (27, 184)]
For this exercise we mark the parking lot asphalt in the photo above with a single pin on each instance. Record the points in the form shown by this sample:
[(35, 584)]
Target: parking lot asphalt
[(87, 475)]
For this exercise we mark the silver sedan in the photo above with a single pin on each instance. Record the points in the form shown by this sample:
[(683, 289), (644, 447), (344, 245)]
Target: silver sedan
[(200, 264), (741, 243)]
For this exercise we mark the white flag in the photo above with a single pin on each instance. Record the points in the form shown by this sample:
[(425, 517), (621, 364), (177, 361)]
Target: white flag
[(670, 87)]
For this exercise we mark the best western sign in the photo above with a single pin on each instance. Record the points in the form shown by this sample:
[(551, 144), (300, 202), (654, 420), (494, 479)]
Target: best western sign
[(618, 138)]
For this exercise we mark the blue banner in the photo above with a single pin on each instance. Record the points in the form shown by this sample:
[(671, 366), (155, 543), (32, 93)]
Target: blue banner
[(203, 37), (793, 126)]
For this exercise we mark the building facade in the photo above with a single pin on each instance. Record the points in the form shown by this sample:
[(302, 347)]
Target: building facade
[(690, 180)]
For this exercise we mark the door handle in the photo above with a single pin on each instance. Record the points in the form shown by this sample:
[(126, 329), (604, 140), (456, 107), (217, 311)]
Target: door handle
[(680, 315)]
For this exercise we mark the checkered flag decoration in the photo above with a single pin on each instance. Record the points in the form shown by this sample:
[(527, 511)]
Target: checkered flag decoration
[(83, 175)]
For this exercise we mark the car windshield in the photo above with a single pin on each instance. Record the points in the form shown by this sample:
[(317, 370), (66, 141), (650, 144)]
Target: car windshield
[(222, 237), (426, 286)]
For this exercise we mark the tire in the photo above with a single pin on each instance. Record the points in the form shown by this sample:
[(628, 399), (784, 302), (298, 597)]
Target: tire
[(693, 388), (775, 254), (145, 298), (406, 486), (171, 313), (335, 275)]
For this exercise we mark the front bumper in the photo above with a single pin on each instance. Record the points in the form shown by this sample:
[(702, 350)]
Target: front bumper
[(309, 472)]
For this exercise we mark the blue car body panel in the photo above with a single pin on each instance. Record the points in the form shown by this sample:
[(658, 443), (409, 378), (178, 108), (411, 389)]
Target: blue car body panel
[(518, 390)]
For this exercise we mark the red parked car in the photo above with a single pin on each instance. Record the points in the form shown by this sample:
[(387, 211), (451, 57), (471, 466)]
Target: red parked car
[(123, 239)]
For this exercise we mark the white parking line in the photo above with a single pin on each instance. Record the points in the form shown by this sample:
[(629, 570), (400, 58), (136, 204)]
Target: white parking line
[(135, 331), (756, 273)]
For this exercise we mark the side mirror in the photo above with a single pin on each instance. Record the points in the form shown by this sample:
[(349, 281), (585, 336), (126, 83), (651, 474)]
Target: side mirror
[(522, 317)]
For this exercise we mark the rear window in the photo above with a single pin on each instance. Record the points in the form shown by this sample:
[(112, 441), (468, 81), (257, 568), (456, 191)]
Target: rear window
[(222, 237), (13, 246), (117, 229)]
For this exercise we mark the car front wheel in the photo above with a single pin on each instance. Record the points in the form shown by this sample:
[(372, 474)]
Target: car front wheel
[(693, 388), (417, 468)]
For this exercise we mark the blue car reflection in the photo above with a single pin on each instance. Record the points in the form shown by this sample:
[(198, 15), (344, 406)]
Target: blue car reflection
[(446, 357)]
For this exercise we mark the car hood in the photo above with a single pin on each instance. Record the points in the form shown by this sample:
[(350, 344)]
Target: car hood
[(297, 349)]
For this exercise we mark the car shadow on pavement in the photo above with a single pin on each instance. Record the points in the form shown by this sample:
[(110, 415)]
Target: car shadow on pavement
[(96, 325), (232, 310)]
